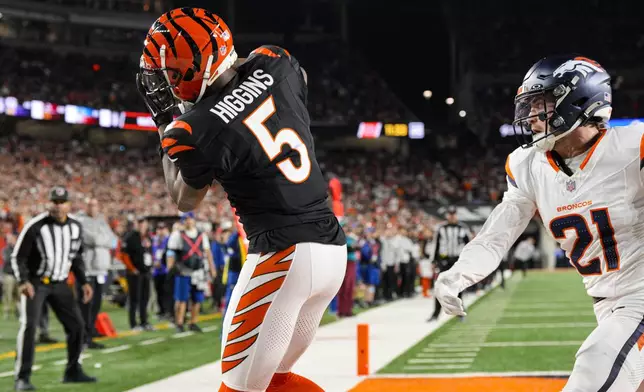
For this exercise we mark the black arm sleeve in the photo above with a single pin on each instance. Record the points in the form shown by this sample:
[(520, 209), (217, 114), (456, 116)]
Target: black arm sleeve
[(20, 256)]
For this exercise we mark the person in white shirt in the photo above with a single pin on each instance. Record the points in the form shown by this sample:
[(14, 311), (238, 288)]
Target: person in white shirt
[(523, 254)]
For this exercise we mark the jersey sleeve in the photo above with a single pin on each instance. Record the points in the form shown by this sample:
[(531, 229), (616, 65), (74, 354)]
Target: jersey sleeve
[(180, 144), (174, 242), (483, 254)]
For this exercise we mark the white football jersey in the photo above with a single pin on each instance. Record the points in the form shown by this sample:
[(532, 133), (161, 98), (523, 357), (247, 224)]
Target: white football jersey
[(596, 214)]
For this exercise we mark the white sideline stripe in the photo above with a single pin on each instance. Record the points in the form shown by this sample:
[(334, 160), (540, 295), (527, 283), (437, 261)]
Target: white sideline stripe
[(446, 354), (451, 349), (548, 314), (555, 373), (518, 344), (116, 349), (182, 335), (64, 361), (151, 341), (415, 361), (537, 325), (11, 373), (436, 367), (211, 328)]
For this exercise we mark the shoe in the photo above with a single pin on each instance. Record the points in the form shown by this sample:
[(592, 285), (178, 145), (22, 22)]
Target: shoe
[(194, 328), (78, 376), (92, 345), (137, 329), (147, 327), (23, 385), (433, 318), (46, 339), (180, 328)]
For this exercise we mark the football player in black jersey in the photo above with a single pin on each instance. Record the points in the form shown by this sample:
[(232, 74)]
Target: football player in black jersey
[(244, 124)]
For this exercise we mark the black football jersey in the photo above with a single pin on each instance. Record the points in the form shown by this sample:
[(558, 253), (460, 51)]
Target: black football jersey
[(253, 137)]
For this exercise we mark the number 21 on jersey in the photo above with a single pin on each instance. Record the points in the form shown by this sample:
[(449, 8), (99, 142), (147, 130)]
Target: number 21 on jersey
[(601, 219), (273, 145)]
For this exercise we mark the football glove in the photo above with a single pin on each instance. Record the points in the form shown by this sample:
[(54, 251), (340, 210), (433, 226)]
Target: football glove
[(446, 290), (158, 116)]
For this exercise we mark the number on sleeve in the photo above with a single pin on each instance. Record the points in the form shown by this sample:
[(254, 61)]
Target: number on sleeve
[(273, 146), (601, 219)]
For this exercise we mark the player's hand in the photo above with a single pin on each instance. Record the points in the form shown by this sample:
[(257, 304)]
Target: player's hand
[(88, 292), (27, 289), (446, 290), (159, 117)]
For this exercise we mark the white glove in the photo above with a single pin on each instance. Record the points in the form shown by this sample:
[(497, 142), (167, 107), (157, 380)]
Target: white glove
[(446, 290)]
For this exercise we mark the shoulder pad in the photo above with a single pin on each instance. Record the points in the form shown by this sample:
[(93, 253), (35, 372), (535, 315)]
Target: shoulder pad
[(516, 165)]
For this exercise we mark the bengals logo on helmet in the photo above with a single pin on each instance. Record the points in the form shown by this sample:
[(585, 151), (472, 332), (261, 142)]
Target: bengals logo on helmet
[(191, 47)]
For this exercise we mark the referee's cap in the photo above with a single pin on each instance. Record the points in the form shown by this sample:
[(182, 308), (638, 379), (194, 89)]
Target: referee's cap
[(451, 210), (58, 193)]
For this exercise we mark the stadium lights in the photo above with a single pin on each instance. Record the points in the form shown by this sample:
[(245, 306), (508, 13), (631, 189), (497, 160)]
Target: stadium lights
[(462, 113), (427, 94), (449, 101)]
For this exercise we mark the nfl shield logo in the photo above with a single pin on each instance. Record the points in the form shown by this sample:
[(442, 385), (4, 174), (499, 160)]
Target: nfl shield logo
[(570, 185)]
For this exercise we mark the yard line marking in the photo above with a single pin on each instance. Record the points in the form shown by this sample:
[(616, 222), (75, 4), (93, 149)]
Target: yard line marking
[(548, 314), (518, 344), (437, 367), (211, 328), (446, 354), (416, 361), (11, 373), (64, 361), (116, 349), (152, 341), (182, 335), (537, 325), (450, 349)]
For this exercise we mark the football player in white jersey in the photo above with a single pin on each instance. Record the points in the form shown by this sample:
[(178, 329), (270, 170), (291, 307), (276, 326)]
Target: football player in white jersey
[(585, 182)]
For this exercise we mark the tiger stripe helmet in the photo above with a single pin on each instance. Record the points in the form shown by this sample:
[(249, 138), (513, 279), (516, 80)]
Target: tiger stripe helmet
[(185, 51)]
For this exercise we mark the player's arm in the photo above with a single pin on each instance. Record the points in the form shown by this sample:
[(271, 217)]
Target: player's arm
[(482, 256), (20, 255), (187, 175)]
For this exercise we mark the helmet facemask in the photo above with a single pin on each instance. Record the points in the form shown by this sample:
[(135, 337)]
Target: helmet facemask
[(536, 121)]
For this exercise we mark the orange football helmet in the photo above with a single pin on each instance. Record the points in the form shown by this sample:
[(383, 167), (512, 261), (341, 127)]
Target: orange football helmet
[(185, 51)]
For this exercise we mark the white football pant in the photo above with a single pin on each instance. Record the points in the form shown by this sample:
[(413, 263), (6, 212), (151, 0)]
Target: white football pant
[(610, 358), (275, 310)]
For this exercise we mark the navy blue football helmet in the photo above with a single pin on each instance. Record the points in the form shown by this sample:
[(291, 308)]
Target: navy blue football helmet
[(564, 92)]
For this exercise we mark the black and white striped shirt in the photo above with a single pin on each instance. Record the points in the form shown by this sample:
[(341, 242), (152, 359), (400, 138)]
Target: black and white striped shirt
[(449, 240), (49, 249)]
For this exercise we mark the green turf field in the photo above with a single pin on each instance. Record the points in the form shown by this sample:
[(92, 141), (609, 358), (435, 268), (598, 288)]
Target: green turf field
[(129, 361), (535, 324)]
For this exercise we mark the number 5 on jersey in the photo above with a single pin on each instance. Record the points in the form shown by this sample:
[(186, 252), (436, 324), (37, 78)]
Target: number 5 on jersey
[(601, 219), (273, 146)]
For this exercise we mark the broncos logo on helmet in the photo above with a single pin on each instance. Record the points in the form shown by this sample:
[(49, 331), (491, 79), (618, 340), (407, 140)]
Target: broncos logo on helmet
[(184, 51)]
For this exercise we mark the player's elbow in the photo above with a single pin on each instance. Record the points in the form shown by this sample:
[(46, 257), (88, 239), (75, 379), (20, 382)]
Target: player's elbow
[(186, 205)]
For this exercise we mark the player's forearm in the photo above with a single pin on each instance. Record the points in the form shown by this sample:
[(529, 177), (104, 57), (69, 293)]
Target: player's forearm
[(484, 253)]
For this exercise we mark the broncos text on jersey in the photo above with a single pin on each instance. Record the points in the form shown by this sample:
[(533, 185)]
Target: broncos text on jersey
[(253, 137)]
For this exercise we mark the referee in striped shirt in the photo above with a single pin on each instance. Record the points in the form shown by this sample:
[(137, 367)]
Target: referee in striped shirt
[(449, 240), (48, 248)]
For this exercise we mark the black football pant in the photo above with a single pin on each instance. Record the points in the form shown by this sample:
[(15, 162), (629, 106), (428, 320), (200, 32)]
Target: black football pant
[(138, 287), (160, 287), (91, 309), (61, 299)]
